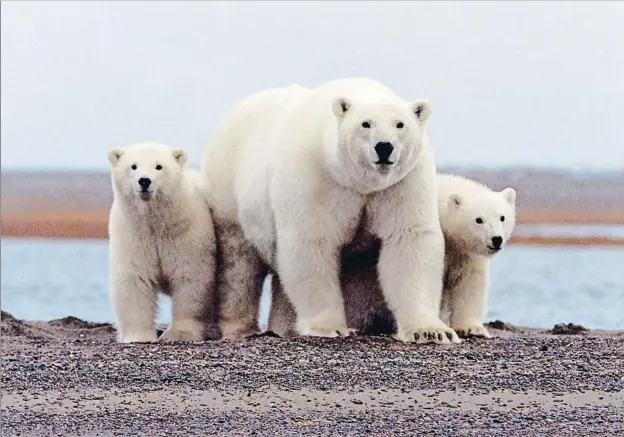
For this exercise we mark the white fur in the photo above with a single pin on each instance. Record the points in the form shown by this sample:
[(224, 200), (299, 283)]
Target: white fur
[(163, 241), (295, 169), (469, 246)]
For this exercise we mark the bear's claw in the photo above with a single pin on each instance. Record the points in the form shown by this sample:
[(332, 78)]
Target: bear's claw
[(428, 335)]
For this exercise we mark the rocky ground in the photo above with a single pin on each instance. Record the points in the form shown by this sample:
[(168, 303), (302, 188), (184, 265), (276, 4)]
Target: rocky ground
[(68, 378)]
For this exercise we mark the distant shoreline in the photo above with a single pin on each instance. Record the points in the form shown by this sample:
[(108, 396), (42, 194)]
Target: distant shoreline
[(75, 204), (93, 224)]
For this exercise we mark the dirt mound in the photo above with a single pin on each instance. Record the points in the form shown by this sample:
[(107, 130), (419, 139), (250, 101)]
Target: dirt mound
[(12, 327), (69, 328), (501, 326), (568, 329), (76, 323), (6, 317)]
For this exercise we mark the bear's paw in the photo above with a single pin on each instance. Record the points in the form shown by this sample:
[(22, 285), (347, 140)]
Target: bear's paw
[(475, 330), (141, 337), (330, 333), (180, 335)]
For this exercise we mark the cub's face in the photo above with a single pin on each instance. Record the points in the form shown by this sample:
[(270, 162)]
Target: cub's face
[(379, 142), (482, 224), (147, 171)]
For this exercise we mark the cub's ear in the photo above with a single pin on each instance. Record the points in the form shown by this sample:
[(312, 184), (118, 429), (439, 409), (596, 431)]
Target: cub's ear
[(340, 107), (421, 109), (454, 201), (114, 155), (509, 194), (180, 156)]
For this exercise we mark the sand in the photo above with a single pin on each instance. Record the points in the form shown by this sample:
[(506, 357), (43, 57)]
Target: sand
[(68, 377)]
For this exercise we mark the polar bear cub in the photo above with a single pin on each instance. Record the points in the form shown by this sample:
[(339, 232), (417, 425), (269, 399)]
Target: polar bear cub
[(477, 223), (161, 240), (295, 173)]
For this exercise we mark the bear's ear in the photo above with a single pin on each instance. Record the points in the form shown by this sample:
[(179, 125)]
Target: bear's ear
[(114, 155), (340, 107), (179, 155), (422, 110), (454, 201), (509, 194)]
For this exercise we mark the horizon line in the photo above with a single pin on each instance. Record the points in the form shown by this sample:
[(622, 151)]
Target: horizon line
[(487, 168)]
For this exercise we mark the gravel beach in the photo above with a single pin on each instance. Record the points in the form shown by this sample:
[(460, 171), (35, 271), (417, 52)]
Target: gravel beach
[(68, 377)]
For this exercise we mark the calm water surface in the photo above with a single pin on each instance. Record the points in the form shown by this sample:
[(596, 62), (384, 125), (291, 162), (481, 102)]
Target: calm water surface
[(531, 286)]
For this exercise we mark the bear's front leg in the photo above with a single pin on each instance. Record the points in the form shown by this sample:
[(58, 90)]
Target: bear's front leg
[(411, 261), (308, 268), (468, 300), (134, 303), (410, 272)]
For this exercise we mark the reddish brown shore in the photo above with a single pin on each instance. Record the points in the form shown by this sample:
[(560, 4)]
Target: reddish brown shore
[(74, 204), (73, 223), (68, 377)]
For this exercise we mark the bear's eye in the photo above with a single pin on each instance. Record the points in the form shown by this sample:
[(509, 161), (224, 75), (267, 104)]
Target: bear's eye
[(502, 218), (159, 167), (134, 167), (479, 220), (366, 125), (400, 125)]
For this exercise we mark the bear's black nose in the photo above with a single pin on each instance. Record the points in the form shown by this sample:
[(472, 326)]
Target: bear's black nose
[(497, 242), (384, 150), (145, 183)]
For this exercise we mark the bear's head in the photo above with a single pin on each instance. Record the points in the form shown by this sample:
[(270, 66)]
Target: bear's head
[(379, 140), (482, 222), (147, 171)]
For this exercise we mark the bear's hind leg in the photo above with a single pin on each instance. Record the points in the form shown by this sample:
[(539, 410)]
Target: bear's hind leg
[(192, 309), (240, 276), (282, 315)]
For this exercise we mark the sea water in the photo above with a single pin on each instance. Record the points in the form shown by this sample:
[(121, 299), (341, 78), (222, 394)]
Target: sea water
[(535, 286)]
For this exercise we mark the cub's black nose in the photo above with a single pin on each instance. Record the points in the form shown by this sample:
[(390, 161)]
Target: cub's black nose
[(497, 242), (384, 150), (145, 183)]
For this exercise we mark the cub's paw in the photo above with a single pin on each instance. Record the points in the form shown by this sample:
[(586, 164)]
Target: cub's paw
[(437, 335), (477, 330), (180, 335)]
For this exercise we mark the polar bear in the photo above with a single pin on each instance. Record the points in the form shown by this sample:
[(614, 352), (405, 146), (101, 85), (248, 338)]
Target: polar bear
[(161, 240), (477, 223), (293, 174)]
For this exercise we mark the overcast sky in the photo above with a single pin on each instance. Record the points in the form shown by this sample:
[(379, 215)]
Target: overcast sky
[(526, 83)]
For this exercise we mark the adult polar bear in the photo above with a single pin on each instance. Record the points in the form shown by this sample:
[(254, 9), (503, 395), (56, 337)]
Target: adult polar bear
[(293, 175)]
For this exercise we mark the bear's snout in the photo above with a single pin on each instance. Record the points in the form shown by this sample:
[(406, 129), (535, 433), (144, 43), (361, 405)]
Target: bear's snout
[(145, 183), (384, 149), (497, 242)]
